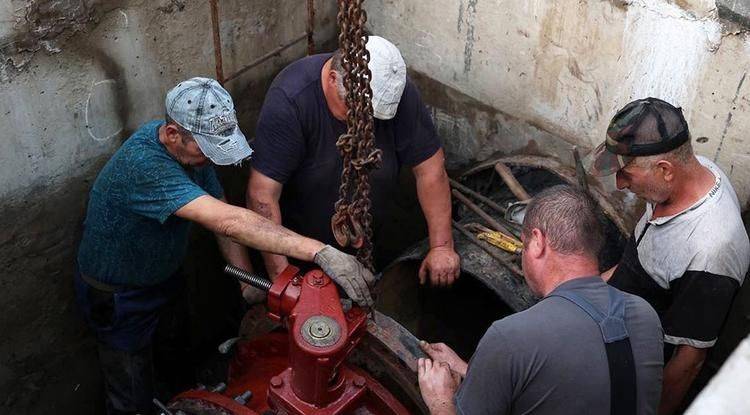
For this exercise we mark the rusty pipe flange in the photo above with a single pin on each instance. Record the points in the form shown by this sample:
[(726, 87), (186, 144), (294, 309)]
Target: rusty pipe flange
[(389, 353), (568, 174), (204, 402)]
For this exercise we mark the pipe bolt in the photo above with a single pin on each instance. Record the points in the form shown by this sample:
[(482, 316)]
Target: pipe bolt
[(359, 381), (276, 382)]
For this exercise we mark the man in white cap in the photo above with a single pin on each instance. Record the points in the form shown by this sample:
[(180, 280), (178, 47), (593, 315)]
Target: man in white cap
[(136, 233), (296, 169)]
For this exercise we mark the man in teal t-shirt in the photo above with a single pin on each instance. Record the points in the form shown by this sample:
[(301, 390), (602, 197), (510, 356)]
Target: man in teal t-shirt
[(136, 233), (131, 236)]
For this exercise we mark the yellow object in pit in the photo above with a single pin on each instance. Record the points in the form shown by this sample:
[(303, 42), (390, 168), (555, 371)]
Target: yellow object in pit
[(502, 241)]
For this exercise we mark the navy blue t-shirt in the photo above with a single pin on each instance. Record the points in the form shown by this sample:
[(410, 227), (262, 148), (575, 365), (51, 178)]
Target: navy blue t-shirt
[(131, 236), (295, 145)]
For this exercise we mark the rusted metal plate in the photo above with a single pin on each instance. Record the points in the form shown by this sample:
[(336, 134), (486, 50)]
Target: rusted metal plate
[(389, 353), (566, 173), (396, 338)]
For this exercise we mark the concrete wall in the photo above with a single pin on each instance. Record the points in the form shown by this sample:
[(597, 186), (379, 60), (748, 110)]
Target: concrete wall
[(533, 76), (76, 77), (541, 75)]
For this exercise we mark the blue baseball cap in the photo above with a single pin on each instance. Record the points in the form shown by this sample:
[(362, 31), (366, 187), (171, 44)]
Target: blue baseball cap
[(203, 107)]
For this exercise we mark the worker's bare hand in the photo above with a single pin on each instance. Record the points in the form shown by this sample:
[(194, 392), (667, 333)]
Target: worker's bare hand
[(253, 295), (442, 265), (440, 352), (438, 385), (349, 273)]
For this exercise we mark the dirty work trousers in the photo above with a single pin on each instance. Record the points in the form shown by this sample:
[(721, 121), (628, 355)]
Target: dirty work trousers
[(143, 341)]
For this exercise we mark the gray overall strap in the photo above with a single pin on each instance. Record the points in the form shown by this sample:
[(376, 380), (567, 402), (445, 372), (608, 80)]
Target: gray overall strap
[(622, 385)]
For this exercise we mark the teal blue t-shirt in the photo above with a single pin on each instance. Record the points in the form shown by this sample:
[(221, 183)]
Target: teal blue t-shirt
[(131, 236)]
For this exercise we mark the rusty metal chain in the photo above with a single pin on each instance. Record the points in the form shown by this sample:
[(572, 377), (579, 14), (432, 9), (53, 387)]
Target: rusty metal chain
[(352, 221)]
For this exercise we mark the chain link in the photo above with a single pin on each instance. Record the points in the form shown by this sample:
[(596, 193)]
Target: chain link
[(352, 221)]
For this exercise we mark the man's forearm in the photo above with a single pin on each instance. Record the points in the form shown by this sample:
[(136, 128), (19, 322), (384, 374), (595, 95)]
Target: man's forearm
[(250, 229), (679, 374), (270, 210), (433, 191), (234, 253)]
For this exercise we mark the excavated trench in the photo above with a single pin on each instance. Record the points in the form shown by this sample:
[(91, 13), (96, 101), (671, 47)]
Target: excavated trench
[(487, 289)]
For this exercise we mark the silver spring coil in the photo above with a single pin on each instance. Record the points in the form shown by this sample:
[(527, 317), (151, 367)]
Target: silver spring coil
[(248, 278)]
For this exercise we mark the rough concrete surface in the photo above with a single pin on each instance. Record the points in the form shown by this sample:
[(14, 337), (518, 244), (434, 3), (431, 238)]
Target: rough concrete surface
[(540, 76), (564, 67), (735, 10), (507, 76), (76, 77), (726, 394)]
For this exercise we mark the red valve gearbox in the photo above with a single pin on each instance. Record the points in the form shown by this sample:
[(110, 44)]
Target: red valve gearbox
[(321, 335), (303, 371)]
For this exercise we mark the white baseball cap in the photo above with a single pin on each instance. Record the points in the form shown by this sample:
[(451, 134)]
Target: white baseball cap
[(388, 77), (203, 107)]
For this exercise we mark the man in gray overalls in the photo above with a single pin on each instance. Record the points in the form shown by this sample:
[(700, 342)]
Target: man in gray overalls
[(585, 348)]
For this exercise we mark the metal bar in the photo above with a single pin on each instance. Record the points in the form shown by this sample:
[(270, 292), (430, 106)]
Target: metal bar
[(512, 226), (511, 181), (266, 57), (580, 171), (310, 27), (489, 249), (217, 41), (163, 408), (603, 198), (482, 214), (248, 278), (486, 200), (477, 227)]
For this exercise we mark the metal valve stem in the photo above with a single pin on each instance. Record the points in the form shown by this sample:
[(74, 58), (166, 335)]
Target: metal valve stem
[(248, 278)]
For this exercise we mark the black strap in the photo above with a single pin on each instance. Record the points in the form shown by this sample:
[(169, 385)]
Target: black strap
[(622, 381), (643, 232), (622, 387), (659, 147)]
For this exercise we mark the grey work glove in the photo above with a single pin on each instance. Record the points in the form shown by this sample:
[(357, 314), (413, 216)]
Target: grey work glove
[(349, 273)]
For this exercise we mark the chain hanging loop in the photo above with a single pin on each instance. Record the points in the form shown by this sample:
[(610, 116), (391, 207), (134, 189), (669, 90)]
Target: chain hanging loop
[(352, 221)]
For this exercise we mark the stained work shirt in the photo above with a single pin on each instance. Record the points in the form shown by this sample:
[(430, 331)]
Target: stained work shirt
[(131, 236), (551, 359), (689, 266), (295, 145)]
